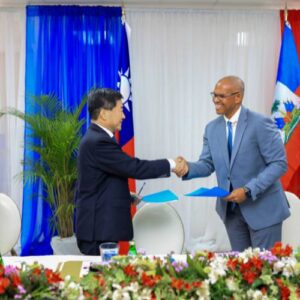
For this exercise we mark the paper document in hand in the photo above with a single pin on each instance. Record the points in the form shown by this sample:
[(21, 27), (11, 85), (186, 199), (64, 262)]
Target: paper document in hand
[(160, 197), (205, 192)]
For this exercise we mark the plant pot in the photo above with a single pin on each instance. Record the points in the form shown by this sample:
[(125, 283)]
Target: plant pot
[(65, 246)]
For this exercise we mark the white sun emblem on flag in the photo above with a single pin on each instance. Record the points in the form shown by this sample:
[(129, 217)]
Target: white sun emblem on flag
[(124, 86)]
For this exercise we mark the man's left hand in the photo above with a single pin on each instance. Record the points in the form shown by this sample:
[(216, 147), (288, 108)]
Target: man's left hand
[(237, 196)]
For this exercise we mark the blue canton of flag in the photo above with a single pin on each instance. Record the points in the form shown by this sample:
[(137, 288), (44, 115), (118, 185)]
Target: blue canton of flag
[(126, 134)]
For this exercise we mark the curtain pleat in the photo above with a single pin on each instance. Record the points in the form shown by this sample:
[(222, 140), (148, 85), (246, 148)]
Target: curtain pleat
[(69, 50)]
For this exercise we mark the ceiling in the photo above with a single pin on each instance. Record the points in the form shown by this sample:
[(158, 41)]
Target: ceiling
[(205, 4)]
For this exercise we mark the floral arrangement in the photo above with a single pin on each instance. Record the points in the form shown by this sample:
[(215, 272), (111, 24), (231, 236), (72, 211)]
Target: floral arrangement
[(252, 274)]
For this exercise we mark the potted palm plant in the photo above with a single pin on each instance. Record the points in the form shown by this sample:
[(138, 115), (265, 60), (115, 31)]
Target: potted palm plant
[(54, 135)]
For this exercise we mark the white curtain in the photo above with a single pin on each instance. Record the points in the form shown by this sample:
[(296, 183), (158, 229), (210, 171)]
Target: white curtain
[(176, 58), (12, 82)]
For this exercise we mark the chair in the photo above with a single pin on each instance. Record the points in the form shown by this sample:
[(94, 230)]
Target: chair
[(158, 229), (10, 224), (290, 234)]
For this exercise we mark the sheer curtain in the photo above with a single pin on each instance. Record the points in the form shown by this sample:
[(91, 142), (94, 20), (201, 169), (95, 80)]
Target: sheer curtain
[(12, 41), (177, 56)]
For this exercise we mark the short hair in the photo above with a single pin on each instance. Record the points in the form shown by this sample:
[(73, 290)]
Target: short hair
[(102, 99)]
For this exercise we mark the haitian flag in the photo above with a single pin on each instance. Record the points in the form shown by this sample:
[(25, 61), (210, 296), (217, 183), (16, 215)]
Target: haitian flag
[(286, 108), (126, 134)]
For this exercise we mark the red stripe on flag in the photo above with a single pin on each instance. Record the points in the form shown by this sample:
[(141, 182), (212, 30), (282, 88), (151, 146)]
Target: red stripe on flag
[(293, 158), (297, 92), (129, 149)]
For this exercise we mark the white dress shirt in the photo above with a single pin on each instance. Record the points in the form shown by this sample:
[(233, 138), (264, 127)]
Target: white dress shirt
[(234, 120)]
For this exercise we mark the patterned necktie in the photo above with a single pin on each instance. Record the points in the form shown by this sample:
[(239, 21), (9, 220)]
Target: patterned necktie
[(229, 139)]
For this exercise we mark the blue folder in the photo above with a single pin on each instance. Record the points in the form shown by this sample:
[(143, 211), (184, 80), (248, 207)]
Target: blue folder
[(160, 197), (205, 192)]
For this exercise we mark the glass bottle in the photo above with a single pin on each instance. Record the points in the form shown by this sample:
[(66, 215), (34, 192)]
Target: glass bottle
[(132, 249)]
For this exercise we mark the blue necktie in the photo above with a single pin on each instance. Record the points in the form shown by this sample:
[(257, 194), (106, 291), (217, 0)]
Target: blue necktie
[(229, 139), (232, 205)]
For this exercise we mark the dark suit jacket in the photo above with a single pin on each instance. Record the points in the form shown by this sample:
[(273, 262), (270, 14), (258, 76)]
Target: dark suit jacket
[(103, 196)]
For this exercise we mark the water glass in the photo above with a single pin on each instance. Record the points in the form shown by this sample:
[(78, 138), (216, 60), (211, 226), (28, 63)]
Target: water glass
[(108, 250)]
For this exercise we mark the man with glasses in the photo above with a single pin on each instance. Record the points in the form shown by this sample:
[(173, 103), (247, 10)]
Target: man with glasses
[(245, 150)]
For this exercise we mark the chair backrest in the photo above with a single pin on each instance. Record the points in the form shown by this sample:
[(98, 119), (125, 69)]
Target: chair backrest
[(158, 229), (10, 224), (290, 234)]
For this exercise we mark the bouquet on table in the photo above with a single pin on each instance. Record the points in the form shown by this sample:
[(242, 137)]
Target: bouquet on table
[(251, 274)]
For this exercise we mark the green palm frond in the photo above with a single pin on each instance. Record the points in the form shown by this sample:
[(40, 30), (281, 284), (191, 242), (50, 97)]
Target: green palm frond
[(275, 106), (53, 134)]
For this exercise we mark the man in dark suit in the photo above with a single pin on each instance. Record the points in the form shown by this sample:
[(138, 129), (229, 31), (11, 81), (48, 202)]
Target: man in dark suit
[(103, 200), (245, 150)]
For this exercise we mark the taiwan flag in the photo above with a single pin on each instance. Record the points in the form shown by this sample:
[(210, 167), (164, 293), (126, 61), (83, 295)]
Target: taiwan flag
[(286, 108), (126, 135)]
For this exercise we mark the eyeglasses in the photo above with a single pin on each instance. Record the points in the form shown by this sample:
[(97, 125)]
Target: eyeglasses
[(222, 96)]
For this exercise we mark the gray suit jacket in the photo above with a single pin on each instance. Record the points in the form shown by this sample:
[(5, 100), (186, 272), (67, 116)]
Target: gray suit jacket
[(258, 160)]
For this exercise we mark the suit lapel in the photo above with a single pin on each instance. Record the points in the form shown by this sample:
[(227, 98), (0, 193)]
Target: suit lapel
[(240, 129), (222, 140)]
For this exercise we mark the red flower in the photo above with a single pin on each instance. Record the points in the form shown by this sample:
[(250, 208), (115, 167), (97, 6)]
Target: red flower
[(279, 251), (101, 281), (52, 277), (210, 255), (4, 283), (36, 271), (264, 290), (284, 290), (187, 286), (257, 263), (232, 263), (150, 280), (177, 284), (130, 271), (16, 280), (197, 284), (249, 276)]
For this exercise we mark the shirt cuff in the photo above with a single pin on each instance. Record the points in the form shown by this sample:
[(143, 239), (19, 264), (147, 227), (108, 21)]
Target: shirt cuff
[(172, 164)]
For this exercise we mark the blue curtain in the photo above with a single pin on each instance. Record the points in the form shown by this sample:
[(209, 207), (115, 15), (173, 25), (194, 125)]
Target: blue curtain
[(69, 50)]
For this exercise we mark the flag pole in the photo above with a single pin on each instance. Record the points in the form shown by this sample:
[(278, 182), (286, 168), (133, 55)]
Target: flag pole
[(285, 13), (123, 13)]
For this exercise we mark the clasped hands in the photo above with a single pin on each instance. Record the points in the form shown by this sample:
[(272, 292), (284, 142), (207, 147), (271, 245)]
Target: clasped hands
[(182, 166)]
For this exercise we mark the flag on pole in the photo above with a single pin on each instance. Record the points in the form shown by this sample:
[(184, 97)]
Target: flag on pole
[(286, 108), (126, 134)]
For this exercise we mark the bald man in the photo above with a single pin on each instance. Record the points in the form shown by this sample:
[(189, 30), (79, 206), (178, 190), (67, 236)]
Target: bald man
[(245, 150)]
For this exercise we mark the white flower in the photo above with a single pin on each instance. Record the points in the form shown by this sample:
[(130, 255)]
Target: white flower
[(232, 284), (278, 266), (120, 295), (287, 265), (218, 268), (203, 291), (256, 295)]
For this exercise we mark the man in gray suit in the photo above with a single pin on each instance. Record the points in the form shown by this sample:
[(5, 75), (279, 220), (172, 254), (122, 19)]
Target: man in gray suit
[(246, 152)]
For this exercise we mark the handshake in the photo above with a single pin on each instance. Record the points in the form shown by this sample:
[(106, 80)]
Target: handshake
[(182, 166)]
